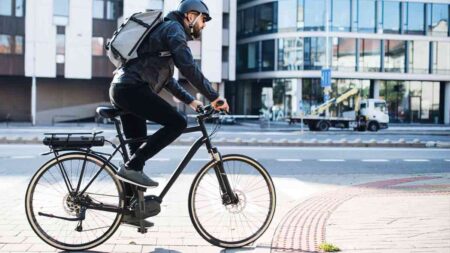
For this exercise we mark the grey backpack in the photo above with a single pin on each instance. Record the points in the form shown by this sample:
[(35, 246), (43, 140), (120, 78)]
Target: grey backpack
[(127, 38)]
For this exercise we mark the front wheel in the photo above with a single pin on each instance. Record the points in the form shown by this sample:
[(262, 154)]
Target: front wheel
[(232, 225)]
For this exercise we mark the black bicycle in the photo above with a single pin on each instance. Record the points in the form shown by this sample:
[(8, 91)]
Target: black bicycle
[(75, 202)]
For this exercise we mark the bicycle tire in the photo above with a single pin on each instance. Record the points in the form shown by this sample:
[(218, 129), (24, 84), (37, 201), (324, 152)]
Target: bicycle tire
[(214, 237), (44, 233)]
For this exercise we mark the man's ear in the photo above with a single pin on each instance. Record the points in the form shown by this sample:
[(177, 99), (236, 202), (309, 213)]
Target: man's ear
[(188, 17)]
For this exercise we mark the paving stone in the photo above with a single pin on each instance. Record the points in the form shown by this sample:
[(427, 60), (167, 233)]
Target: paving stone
[(15, 247)]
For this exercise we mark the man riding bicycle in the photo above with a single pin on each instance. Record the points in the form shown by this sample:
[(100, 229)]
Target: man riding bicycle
[(135, 87)]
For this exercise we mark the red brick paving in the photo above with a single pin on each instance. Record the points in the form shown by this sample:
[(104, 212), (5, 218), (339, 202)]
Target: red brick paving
[(303, 227)]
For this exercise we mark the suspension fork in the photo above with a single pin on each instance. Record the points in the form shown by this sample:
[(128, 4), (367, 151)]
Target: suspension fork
[(228, 196)]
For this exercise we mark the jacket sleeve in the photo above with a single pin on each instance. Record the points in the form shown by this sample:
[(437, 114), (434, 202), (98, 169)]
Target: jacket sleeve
[(182, 57), (179, 92)]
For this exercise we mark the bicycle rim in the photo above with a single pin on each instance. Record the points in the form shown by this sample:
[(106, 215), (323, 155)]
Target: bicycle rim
[(232, 226), (47, 193)]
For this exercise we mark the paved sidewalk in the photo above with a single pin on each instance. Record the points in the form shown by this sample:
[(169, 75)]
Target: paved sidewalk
[(361, 213)]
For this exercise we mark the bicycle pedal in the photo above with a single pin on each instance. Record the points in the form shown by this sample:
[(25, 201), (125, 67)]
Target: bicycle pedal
[(142, 230), (142, 189)]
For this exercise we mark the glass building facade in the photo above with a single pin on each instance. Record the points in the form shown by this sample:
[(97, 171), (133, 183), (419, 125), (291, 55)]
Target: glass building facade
[(395, 50)]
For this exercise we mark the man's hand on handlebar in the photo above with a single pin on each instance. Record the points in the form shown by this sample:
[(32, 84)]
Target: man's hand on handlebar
[(220, 104), (195, 105)]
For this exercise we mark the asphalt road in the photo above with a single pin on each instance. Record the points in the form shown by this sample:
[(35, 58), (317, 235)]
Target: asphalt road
[(254, 131), (279, 161)]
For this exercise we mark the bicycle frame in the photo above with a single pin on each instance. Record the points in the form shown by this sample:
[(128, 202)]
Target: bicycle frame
[(228, 197)]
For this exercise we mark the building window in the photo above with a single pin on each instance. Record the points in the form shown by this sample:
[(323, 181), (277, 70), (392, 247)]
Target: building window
[(314, 15), (249, 21), (19, 8), (61, 8), (314, 54), (312, 94), (412, 101), (60, 48), (287, 13), (10, 44), (438, 24), (18, 47), (369, 55), (290, 54), (98, 9), (252, 56), (394, 56), (114, 9), (418, 59), (265, 18), (225, 52), (97, 46), (366, 15), (226, 21), (6, 7), (341, 15), (6, 44), (268, 55), (247, 57), (391, 17), (441, 59), (344, 54), (415, 18)]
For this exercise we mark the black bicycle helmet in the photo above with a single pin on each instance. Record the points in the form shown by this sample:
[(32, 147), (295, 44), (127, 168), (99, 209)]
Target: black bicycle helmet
[(194, 5)]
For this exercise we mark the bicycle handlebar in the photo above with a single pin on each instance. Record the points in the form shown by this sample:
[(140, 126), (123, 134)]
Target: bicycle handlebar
[(209, 109)]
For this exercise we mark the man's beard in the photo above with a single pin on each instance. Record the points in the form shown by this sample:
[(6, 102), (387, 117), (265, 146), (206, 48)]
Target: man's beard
[(197, 32)]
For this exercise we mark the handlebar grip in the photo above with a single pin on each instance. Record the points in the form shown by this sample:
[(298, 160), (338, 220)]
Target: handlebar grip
[(220, 103)]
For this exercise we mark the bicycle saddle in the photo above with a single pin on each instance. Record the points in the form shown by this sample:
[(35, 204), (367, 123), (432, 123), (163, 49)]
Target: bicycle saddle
[(109, 112)]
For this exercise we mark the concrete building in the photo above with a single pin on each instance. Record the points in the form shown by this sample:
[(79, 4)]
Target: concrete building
[(398, 50), (53, 66)]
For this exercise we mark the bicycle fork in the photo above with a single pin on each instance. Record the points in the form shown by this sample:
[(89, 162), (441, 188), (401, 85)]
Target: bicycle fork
[(228, 196)]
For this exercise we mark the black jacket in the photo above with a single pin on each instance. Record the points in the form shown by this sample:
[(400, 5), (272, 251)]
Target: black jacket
[(156, 71)]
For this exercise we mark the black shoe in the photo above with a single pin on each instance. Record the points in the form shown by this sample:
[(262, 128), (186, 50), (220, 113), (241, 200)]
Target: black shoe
[(135, 177), (135, 221)]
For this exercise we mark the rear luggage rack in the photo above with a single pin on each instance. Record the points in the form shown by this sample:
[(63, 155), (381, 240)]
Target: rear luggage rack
[(73, 140)]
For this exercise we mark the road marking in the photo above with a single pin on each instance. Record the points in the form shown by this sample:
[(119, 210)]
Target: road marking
[(331, 160), (416, 160), (159, 159), (201, 159), (289, 160), (23, 157), (374, 160)]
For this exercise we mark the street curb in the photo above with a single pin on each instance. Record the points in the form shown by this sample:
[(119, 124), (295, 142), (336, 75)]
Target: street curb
[(268, 142)]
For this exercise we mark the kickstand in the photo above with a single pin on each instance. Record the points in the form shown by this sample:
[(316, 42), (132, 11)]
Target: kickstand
[(141, 211)]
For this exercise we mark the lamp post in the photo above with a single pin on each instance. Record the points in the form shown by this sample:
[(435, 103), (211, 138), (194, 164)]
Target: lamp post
[(33, 80)]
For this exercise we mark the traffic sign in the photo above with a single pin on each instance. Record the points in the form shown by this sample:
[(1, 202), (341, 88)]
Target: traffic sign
[(325, 80)]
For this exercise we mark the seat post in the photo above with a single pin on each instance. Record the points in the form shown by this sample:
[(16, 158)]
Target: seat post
[(121, 139)]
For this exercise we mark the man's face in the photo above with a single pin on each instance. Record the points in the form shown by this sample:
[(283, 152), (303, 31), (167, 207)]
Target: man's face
[(199, 25)]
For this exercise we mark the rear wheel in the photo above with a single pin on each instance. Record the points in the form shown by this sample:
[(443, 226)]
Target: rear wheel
[(323, 126), (49, 202), (232, 225), (373, 127)]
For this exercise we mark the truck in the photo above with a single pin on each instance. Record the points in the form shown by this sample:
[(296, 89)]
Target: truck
[(367, 114)]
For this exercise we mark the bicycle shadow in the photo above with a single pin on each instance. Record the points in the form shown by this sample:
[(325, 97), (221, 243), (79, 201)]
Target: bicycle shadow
[(155, 250)]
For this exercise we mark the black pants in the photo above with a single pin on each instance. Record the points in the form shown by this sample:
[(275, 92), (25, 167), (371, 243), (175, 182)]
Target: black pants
[(142, 104)]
